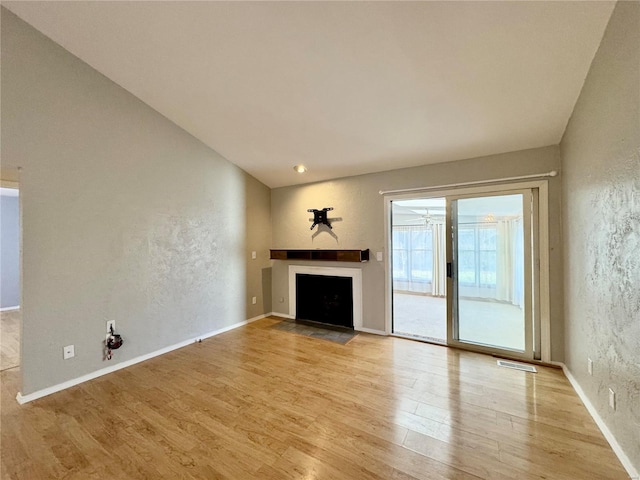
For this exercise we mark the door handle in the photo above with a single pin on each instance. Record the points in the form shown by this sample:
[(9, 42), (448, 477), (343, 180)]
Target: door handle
[(449, 270)]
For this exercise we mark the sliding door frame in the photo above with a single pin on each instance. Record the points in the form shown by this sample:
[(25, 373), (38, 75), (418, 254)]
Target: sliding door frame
[(541, 291)]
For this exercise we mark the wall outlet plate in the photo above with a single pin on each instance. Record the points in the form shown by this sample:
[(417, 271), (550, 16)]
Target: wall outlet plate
[(68, 352), (253, 255), (254, 300)]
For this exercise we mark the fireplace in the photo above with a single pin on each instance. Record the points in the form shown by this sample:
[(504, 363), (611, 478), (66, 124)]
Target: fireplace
[(325, 299), (328, 295)]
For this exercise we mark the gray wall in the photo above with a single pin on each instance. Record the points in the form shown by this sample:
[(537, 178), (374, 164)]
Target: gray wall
[(360, 207), (601, 196), (125, 217), (9, 251), (257, 221)]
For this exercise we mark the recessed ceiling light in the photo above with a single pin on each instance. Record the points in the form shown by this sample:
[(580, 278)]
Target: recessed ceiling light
[(300, 168)]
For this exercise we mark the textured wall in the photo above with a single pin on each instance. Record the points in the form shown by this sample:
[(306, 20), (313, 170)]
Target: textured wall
[(257, 215), (125, 216), (9, 251), (601, 190), (360, 210)]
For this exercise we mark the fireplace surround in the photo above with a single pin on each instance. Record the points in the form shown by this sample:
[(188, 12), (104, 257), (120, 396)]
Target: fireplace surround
[(355, 274)]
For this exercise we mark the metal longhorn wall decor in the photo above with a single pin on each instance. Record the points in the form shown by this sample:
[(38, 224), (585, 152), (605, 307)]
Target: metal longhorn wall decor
[(320, 217)]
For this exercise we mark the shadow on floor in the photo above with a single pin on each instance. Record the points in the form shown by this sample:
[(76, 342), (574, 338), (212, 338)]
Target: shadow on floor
[(341, 336)]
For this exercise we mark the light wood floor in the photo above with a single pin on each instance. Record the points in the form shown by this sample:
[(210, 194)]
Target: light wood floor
[(262, 403), (9, 339)]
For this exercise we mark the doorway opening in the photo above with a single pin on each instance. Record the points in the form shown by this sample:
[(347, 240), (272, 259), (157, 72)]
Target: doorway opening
[(10, 265), (419, 266)]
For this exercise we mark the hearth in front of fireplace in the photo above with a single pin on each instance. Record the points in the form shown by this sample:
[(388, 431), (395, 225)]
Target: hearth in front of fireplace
[(324, 298)]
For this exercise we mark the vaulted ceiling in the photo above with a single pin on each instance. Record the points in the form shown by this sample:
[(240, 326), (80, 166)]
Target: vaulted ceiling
[(342, 87)]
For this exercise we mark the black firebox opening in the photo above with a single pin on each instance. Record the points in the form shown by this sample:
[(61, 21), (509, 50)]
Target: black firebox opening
[(325, 299)]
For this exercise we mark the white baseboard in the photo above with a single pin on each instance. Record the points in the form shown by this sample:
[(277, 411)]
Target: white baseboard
[(9, 309), (371, 330), (283, 315), (626, 463), (22, 399), (259, 317)]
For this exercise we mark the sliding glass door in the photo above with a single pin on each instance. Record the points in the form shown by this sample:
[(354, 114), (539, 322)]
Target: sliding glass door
[(489, 267), (419, 266), (462, 270)]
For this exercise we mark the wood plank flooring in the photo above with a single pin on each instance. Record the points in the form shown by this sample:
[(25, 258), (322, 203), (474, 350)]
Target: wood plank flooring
[(262, 403)]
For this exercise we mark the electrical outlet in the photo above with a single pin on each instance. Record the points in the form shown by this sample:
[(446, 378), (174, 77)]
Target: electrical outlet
[(254, 300), (379, 256), (253, 255), (281, 300), (612, 399), (68, 352), (111, 323), (590, 366)]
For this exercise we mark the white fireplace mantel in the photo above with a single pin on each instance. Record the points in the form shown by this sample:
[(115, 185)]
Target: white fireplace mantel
[(356, 281)]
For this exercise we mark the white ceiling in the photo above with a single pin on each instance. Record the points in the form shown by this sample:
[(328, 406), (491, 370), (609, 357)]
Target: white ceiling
[(342, 87)]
